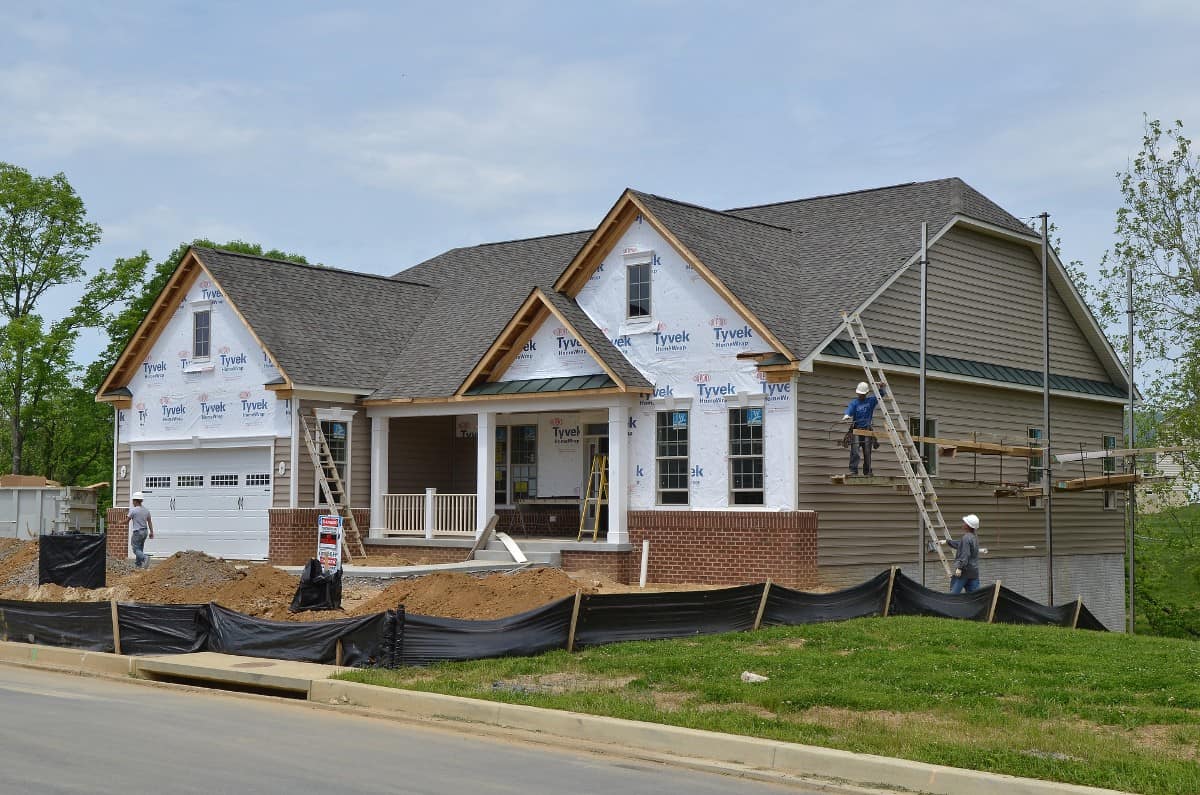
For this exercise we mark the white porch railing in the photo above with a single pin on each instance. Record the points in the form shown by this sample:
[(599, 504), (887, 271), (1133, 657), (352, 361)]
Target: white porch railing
[(429, 514)]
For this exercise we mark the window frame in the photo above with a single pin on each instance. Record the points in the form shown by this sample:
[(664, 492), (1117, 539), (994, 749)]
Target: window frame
[(648, 264), (1108, 464), (206, 313), (734, 456), (506, 436), (1036, 439), (344, 469), (146, 484), (928, 449), (686, 491), (1110, 500)]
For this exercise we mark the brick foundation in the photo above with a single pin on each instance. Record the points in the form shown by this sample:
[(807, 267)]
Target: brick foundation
[(619, 566), (542, 521), (293, 533), (726, 547), (116, 523)]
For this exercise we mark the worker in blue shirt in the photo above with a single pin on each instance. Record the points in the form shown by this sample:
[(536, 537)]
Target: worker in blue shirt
[(860, 414)]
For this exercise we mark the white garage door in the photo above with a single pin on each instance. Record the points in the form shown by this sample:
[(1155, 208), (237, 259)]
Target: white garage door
[(212, 500)]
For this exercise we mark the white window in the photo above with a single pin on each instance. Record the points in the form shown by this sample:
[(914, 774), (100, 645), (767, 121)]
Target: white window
[(223, 480), (157, 482), (746, 456), (638, 289), (516, 463), (189, 481), (337, 426), (928, 449), (671, 457), (1109, 463), (1035, 503), (263, 479), (1110, 499), (1037, 467), (201, 333)]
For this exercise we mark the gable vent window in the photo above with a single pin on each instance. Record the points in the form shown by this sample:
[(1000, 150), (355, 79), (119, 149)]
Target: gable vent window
[(201, 333), (638, 286)]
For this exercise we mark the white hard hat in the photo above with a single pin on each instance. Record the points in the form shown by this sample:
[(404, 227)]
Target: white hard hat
[(863, 388), (137, 495), (971, 521)]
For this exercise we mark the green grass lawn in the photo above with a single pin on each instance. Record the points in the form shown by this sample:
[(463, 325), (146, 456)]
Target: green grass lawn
[(1090, 708), (1168, 576)]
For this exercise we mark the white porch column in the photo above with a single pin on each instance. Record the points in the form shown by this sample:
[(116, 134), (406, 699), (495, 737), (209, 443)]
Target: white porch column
[(485, 469), (618, 474), (379, 474)]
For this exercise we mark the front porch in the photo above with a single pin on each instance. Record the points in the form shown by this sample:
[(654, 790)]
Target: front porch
[(443, 474)]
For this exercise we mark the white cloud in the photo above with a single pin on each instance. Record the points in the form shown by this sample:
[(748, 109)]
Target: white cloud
[(62, 111), (164, 225), (485, 142)]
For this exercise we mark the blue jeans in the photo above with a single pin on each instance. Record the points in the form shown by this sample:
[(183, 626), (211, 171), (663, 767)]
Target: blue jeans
[(958, 583), (866, 444), (137, 540)]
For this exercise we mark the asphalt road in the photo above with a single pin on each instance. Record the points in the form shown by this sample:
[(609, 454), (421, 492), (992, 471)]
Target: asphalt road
[(61, 733)]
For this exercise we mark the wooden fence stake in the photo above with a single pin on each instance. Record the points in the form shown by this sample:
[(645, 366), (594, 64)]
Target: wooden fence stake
[(1078, 607), (574, 620), (762, 604), (116, 627), (887, 602), (995, 598), (337, 657)]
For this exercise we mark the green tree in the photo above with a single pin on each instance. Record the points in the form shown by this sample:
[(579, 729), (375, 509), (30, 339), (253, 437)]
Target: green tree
[(45, 237)]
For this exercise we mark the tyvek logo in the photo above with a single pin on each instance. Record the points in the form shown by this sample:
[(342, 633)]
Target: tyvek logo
[(664, 391), (666, 341), (184, 359), (154, 370), (211, 410), (621, 341), (568, 346), (253, 408), (209, 291), (527, 351), (142, 413), (171, 414), (776, 392), (731, 339), (697, 474), (717, 322), (596, 274), (711, 395), (267, 361), (639, 471), (232, 362)]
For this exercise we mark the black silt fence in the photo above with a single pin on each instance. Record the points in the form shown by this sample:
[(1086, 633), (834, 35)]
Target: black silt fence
[(362, 640), (427, 639), (786, 607), (72, 560), (160, 629), (76, 625), (611, 618), (910, 598)]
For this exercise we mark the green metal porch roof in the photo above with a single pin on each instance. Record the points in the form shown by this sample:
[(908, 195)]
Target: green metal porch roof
[(976, 369), (542, 385)]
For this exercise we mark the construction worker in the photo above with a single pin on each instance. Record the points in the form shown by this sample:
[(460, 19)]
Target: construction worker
[(860, 414), (966, 562), (141, 526)]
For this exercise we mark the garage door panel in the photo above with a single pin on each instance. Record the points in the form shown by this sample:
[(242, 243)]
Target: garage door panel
[(202, 500)]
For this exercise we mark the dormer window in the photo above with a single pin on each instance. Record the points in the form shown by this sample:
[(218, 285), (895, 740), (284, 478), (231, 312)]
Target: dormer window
[(201, 333), (638, 289)]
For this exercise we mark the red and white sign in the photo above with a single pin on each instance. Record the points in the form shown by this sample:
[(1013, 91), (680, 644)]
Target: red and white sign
[(329, 542)]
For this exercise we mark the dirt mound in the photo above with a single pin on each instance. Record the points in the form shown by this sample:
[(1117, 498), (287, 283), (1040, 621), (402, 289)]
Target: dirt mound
[(394, 560), (184, 578), (457, 595), (19, 564), (263, 590)]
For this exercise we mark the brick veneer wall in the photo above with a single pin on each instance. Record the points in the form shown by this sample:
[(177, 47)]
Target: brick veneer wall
[(293, 533), (431, 554), (619, 566), (116, 522), (550, 521), (727, 547)]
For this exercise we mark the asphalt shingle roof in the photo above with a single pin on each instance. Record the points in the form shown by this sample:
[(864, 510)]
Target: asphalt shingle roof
[(325, 327)]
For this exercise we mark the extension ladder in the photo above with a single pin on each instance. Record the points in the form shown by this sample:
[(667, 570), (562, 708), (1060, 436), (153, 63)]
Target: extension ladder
[(594, 498), (333, 489), (911, 463)]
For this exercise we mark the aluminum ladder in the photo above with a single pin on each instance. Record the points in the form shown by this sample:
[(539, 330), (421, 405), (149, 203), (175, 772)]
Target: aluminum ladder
[(333, 489), (911, 463)]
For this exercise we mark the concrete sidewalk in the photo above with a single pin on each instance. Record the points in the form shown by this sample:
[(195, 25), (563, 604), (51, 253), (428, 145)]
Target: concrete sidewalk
[(622, 737)]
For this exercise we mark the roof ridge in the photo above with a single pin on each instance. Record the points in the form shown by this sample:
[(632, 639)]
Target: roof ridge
[(310, 266), (844, 193), (522, 240), (723, 213)]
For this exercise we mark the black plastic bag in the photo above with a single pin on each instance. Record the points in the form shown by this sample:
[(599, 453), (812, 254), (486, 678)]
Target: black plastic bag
[(318, 589), (363, 640), (73, 560)]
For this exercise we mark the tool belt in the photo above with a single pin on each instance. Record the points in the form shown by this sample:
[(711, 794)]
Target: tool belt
[(848, 439)]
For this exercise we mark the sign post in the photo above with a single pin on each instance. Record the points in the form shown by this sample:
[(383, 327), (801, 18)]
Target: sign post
[(329, 542)]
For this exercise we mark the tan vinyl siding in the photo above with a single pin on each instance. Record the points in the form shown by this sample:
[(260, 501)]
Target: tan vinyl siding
[(281, 484), (121, 490), (425, 452), (360, 456), (985, 303), (877, 525)]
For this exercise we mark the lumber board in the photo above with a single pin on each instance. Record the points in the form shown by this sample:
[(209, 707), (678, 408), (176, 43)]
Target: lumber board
[(1098, 482), (1091, 455), (950, 447)]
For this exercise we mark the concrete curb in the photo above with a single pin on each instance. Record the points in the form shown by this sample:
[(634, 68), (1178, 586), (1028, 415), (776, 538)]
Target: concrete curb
[(773, 756), (780, 757)]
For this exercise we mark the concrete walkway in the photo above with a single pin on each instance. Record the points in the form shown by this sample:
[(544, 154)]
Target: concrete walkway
[(813, 765)]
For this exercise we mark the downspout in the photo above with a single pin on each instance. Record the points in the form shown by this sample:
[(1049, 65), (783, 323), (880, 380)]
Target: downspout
[(921, 540), (1047, 497)]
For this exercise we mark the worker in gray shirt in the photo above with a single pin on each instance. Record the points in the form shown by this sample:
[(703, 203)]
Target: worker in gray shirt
[(141, 527), (966, 562)]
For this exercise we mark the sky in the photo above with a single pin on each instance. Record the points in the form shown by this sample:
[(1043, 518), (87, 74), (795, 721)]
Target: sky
[(372, 136)]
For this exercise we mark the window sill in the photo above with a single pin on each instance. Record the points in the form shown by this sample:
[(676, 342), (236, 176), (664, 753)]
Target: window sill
[(200, 367)]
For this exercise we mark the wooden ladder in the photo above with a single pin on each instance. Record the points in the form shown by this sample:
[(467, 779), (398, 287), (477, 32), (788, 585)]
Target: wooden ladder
[(333, 489), (911, 463), (594, 498)]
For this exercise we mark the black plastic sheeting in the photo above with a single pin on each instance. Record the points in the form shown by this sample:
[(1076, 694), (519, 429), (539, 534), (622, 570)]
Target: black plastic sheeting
[(611, 618), (318, 589), (910, 598), (160, 629), (786, 607), (1013, 608), (76, 625), (428, 639), (363, 639), (73, 560)]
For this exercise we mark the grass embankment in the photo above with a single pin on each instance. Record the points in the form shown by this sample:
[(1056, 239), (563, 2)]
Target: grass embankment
[(1168, 572), (1088, 708)]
